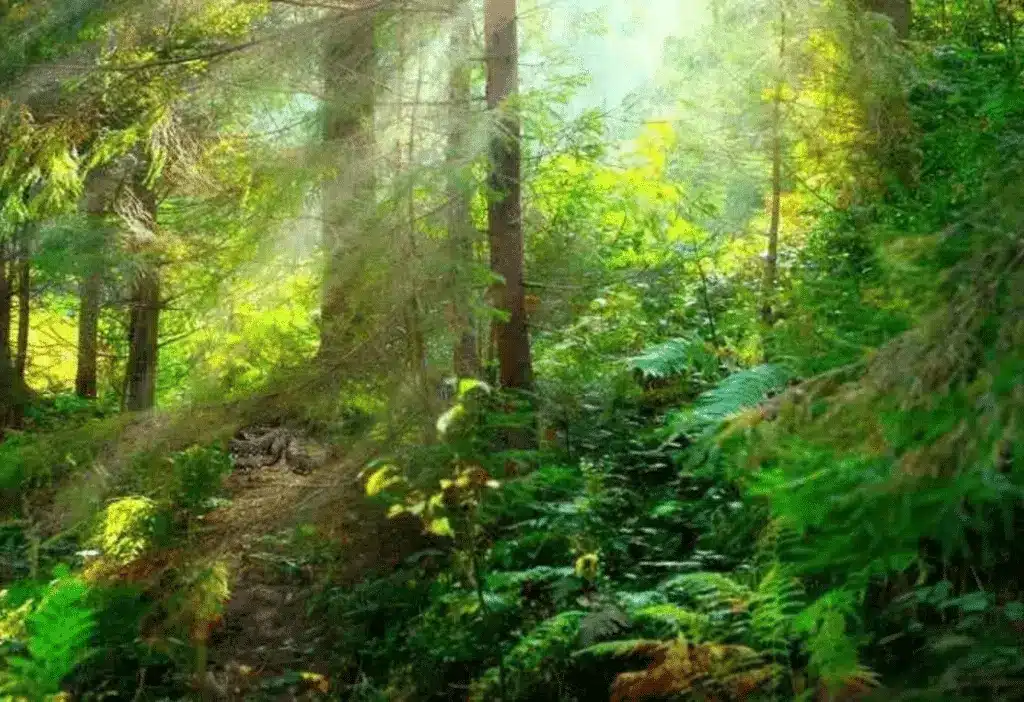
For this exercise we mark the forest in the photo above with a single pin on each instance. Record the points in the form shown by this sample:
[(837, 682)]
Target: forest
[(511, 350)]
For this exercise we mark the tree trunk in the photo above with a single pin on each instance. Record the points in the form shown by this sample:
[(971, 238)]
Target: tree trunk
[(24, 300), (349, 73), (505, 194), (771, 259), (6, 296), (461, 233), (140, 383), (13, 393), (89, 291), (144, 324)]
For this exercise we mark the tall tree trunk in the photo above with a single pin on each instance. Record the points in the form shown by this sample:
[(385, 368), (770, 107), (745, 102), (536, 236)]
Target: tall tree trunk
[(90, 289), (13, 393), (90, 292), (349, 74), (771, 259), (24, 301), (6, 296), (144, 324), (461, 232), (505, 194), (140, 382)]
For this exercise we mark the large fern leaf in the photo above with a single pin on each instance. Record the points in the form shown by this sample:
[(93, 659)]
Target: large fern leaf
[(672, 357), (737, 392), (775, 605), (695, 626), (602, 624), (678, 667), (59, 630)]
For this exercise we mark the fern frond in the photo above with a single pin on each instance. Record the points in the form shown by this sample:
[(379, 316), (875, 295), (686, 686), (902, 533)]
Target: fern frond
[(638, 600), (695, 626), (504, 580), (672, 357), (59, 631), (601, 624), (543, 646), (708, 590), (679, 667), (739, 391), (775, 605)]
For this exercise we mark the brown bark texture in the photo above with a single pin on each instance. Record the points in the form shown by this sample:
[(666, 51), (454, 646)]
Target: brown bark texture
[(24, 266), (144, 323), (505, 195)]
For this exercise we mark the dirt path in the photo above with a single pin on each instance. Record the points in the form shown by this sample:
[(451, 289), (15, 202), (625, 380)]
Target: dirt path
[(265, 646), (268, 646)]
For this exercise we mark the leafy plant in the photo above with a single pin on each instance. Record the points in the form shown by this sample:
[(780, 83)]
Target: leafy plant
[(678, 667), (198, 473), (742, 390), (53, 631)]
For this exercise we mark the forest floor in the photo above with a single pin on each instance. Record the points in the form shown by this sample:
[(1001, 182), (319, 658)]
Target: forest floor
[(265, 646)]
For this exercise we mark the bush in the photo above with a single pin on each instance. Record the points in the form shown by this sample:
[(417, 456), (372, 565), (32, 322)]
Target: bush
[(198, 474)]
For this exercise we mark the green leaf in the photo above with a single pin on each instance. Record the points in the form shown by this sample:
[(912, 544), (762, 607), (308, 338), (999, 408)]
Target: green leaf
[(441, 527), (381, 480)]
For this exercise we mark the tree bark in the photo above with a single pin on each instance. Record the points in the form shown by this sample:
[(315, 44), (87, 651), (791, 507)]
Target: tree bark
[(6, 296), (461, 232), (349, 74), (89, 293), (771, 259), (140, 383), (505, 195), (144, 324), (13, 393), (24, 301)]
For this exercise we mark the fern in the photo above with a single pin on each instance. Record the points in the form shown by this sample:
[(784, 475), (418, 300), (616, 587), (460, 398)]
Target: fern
[(710, 591), (532, 664), (695, 626), (672, 357), (678, 667), (602, 624), (506, 580), (833, 653), (58, 632), (774, 607), (737, 392)]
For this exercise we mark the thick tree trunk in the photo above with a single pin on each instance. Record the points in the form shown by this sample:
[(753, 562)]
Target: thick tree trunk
[(89, 292), (771, 259), (505, 194), (349, 73), (24, 302), (140, 374), (144, 322), (461, 232)]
